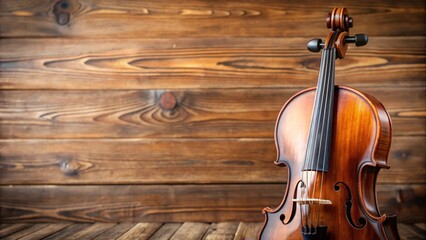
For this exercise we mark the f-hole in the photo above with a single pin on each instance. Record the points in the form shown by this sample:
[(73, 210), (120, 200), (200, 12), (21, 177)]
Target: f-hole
[(348, 204), (293, 210)]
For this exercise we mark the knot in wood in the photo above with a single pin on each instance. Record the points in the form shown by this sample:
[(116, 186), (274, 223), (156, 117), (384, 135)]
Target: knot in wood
[(61, 12), (69, 167), (168, 101)]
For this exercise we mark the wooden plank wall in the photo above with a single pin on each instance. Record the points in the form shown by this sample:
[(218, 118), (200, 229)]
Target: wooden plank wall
[(161, 110)]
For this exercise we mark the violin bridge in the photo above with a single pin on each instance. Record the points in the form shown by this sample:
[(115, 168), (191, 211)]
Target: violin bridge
[(310, 201)]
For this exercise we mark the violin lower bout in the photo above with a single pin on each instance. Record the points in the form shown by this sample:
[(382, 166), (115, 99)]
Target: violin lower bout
[(361, 137)]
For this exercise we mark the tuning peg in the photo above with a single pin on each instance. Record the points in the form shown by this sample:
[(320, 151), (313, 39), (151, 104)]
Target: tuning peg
[(315, 45), (358, 39)]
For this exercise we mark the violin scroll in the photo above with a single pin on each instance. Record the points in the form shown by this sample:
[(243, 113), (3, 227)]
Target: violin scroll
[(340, 22), (338, 18)]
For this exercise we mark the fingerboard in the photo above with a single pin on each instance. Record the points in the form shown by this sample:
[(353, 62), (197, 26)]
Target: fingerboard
[(320, 131)]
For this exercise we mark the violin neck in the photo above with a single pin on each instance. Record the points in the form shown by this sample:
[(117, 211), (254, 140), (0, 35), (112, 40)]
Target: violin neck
[(319, 138)]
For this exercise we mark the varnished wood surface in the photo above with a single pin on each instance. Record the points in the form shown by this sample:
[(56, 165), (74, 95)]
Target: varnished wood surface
[(174, 203), (208, 114), (175, 63), (123, 161), (202, 19), (81, 114), (162, 231), (360, 136)]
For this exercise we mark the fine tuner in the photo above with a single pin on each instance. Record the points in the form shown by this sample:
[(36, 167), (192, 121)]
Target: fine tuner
[(316, 44)]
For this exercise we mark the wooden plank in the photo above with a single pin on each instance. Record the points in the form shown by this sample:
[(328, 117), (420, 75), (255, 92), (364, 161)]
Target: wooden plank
[(197, 113), (92, 231), (139, 161), (66, 232), (191, 231), (248, 231), (174, 203), (135, 203), (197, 18), (26, 231), (116, 231), (407, 232), (221, 231), (172, 161), (141, 231), (405, 150), (166, 231), (202, 63), (403, 202), (8, 229), (421, 227), (46, 231), (4, 225)]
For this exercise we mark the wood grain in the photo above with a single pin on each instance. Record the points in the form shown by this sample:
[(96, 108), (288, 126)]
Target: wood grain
[(202, 63), (191, 231), (139, 161), (199, 18), (221, 231), (410, 232), (198, 113), (26, 231), (245, 231), (173, 203), (46, 231), (66, 232), (166, 231), (140, 231), (85, 136), (115, 232), (92, 231), (8, 229), (171, 161), (248, 230)]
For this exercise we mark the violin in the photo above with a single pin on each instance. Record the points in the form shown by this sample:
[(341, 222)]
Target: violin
[(334, 140)]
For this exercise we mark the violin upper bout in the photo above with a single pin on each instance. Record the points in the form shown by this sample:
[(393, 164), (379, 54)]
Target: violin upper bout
[(370, 114)]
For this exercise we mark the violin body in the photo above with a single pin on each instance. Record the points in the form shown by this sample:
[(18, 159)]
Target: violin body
[(334, 141), (360, 145)]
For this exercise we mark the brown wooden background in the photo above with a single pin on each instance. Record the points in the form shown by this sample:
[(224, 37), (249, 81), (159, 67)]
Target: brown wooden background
[(85, 138)]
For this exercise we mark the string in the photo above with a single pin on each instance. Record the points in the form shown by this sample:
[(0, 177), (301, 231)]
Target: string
[(320, 128), (308, 163), (329, 119), (319, 133), (313, 132), (322, 110)]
